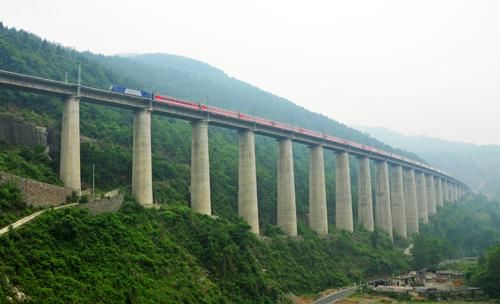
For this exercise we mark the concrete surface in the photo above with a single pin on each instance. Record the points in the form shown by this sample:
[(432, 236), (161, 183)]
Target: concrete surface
[(398, 201), (142, 174), (343, 198), (411, 209), (383, 217), (69, 170), (287, 214), (421, 198), (318, 220), (247, 181), (200, 168), (365, 201)]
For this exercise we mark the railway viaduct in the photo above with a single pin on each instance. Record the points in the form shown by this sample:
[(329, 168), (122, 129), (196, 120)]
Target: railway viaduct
[(406, 191)]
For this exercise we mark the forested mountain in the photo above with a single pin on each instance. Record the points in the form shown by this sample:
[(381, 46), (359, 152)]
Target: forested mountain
[(476, 165), (110, 130)]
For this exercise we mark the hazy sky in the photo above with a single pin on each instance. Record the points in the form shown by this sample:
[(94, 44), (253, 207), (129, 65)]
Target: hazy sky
[(418, 67)]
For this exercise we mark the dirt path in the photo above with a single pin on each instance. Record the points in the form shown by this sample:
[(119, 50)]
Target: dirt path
[(30, 217)]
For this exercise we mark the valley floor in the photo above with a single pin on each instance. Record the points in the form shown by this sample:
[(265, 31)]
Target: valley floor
[(375, 299)]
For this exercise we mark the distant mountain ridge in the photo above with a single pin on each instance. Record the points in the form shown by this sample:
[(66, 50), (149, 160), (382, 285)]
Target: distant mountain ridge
[(476, 165)]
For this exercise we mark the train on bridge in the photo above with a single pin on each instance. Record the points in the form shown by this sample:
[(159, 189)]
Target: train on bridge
[(175, 102)]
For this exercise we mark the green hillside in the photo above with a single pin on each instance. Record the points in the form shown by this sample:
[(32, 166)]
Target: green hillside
[(467, 228), (176, 256)]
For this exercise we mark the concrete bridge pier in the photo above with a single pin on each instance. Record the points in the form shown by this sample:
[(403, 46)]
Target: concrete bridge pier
[(318, 220), (398, 201), (69, 168), (421, 198), (247, 181), (287, 214), (450, 196), (142, 176), (430, 194), (410, 190), (200, 168), (383, 218), (365, 204), (453, 196), (439, 191), (445, 192), (450, 192), (343, 198)]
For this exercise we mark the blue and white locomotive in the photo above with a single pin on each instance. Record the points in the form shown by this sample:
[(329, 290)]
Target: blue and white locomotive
[(124, 90)]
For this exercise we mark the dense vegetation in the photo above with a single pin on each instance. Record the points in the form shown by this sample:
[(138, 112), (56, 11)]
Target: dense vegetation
[(486, 274), (176, 256), (466, 228), (26, 162), (12, 206)]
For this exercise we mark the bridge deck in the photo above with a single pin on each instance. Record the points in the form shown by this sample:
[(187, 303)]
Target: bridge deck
[(15, 81)]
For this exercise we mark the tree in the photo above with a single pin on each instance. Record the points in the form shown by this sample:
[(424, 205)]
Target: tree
[(487, 273)]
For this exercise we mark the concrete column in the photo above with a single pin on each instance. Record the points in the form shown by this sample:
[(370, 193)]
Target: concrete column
[(439, 191), (142, 176), (318, 220), (450, 189), (450, 192), (343, 198), (455, 196), (69, 168), (365, 204), (450, 197), (421, 198), (247, 181), (411, 209), (383, 219), (287, 216), (430, 194), (398, 201), (445, 191), (200, 168)]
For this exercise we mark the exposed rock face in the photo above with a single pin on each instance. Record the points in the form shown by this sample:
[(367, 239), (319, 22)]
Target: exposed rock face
[(18, 132)]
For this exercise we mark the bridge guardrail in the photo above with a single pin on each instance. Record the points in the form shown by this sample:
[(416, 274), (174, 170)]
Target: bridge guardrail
[(338, 295)]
